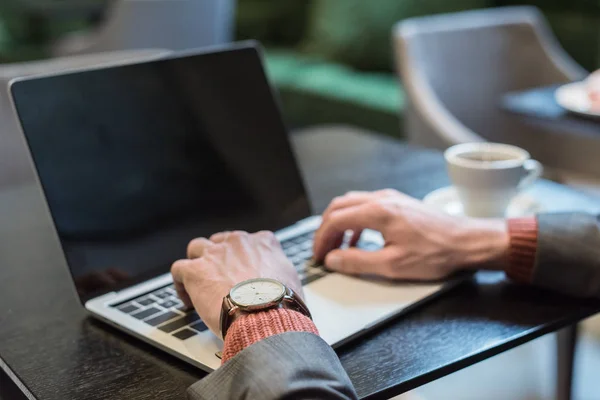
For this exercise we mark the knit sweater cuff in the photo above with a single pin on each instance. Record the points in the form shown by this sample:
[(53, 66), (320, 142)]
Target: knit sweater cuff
[(251, 328), (523, 234)]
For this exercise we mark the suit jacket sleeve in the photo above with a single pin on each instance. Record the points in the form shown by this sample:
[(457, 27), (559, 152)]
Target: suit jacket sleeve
[(293, 365), (568, 253)]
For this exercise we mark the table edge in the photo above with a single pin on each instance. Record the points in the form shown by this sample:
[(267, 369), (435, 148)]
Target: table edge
[(15, 379), (475, 358)]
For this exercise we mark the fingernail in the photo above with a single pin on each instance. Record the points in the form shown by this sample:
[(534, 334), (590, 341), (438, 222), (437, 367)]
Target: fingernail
[(333, 261)]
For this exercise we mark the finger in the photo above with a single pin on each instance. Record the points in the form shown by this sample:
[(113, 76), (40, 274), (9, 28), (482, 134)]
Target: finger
[(197, 246), (335, 243), (357, 197), (354, 261), (220, 237), (348, 200), (352, 199), (178, 271), (355, 238), (370, 215)]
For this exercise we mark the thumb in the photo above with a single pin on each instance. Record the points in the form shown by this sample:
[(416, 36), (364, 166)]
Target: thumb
[(354, 261)]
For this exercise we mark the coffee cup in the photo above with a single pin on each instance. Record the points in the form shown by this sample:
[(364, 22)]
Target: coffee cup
[(487, 176)]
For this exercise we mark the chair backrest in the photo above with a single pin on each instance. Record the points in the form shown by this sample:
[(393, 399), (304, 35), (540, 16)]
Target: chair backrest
[(461, 64), (168, 24)]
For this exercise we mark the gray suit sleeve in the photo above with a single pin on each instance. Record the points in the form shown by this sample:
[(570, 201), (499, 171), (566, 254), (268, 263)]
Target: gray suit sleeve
[(568, 253), (294, 365)]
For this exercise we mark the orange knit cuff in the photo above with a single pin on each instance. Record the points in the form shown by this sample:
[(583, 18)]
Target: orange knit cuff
[(523, 234), (251, 328)]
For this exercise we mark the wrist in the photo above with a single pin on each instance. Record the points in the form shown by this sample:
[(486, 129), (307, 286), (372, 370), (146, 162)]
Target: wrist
[(251, 328), (523, 234), (484, 243)]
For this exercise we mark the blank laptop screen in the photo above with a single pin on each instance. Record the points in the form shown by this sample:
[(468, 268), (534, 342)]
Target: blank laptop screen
[(137, 160)]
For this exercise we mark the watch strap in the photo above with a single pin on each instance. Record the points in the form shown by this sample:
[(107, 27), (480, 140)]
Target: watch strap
[(231, 312)]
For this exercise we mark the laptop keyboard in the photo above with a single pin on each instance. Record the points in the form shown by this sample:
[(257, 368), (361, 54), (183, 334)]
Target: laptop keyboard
[(163, 309), (299, 250)]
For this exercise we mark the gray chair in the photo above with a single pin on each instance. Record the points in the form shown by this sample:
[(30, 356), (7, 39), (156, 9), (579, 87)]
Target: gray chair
[(455, 69), (166, 24)]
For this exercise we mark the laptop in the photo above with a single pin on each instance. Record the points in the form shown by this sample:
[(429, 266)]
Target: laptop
[(135, 160)]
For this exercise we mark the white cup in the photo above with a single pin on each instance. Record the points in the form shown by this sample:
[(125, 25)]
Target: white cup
[(487, 176)]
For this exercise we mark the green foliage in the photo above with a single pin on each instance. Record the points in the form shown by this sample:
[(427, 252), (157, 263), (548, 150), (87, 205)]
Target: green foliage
[(358, 32), (280, 21), (26, 31)]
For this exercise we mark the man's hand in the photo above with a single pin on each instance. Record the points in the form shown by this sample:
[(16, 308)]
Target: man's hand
[(420, 243), (217, 264)]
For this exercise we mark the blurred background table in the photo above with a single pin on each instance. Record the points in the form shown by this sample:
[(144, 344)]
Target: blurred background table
[(55, 351), (539, 106)]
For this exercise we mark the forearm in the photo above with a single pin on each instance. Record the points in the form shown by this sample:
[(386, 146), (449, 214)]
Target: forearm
[(275, 355), (568, 254), (556, 251)]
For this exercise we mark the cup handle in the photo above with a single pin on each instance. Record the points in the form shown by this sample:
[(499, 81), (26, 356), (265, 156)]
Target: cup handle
[(534, 170)]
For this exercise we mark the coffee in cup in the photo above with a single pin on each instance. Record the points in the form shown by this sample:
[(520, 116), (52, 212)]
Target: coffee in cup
[(487, 176)]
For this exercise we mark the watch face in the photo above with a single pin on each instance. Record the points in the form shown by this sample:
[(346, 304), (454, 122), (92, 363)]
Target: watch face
[(257, 292)]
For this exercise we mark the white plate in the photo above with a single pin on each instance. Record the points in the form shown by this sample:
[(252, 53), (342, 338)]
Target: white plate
[(446, 199), (574, 97)]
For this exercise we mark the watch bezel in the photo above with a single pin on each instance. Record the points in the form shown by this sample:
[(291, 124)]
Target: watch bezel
[(261, 306)]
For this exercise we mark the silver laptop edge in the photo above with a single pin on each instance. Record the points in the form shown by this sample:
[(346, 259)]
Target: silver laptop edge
[(343, 307)]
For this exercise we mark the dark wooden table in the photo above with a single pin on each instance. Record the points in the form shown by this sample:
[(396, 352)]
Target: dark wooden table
[(55, 351), (539, 106)]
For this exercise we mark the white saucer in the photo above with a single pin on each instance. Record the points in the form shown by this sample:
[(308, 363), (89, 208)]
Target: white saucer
[(446, 199), (574, 97)]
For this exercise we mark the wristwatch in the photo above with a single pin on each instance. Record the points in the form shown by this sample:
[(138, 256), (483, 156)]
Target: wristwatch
[(256, 295)]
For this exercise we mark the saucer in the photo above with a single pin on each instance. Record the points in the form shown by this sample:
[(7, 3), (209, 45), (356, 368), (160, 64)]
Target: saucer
[(446, 199), (574, 97)]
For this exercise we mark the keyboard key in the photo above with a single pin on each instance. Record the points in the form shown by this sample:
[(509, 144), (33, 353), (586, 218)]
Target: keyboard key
[(180, 323), (298, 262), (369, 246), (305, 255), (168, 304), (308, 245), (128, 308), (169, 315), (185, 334), (145, 301), (298, 240), (200, 326), (182, 307), (290, 252), (146, 313), (162, 294), (286, 245)]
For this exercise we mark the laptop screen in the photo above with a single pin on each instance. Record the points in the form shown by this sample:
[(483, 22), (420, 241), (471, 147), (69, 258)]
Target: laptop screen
[(137, 160)]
